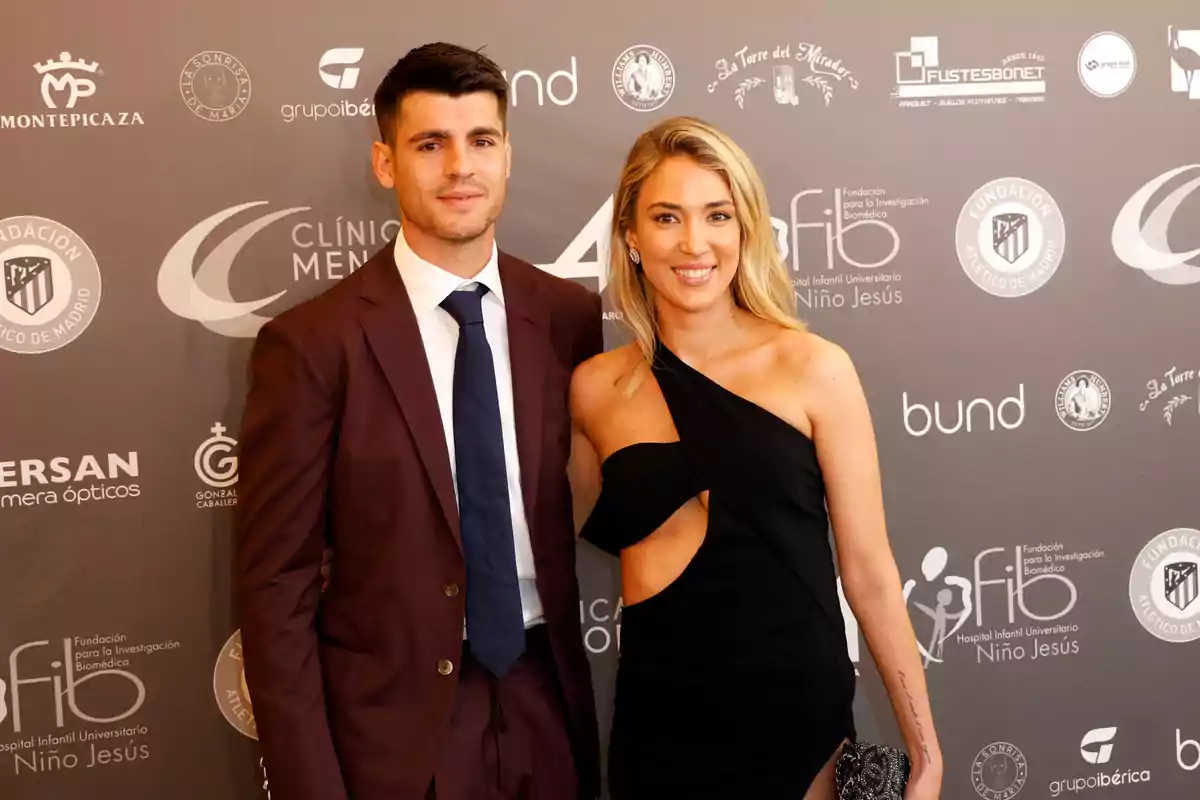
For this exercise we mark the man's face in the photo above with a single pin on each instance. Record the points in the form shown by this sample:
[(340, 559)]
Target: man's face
[(449, 164)]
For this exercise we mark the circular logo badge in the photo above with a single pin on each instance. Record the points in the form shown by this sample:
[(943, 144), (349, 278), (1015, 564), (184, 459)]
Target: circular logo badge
[(643, 78), (999, 771), (215, 86), (51, 285), (1010, 237), (229, 687), (1107, 64), (1164, 585), (1083, 399)]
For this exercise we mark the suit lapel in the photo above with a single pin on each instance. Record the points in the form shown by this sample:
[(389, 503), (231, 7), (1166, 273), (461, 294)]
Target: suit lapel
[(394, 338), (528, 348)]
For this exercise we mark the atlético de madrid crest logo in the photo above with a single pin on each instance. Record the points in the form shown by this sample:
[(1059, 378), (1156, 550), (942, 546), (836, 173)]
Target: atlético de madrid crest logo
[(51, 285), (1010, 237), (1164, 585)]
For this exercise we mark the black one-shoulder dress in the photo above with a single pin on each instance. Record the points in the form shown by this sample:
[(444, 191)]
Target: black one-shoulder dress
[(734, 681)]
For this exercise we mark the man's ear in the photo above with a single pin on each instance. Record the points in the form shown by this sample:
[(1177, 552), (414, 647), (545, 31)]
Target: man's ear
[(382, 163)]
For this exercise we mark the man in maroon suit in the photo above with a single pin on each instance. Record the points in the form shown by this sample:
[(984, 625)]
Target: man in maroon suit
[(413, 419)]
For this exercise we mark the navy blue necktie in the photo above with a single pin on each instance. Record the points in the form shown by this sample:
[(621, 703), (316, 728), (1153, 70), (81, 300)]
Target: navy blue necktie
[(495, 623)]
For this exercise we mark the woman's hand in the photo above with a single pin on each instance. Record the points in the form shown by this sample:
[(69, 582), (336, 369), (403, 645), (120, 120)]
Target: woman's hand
[(925, 785)]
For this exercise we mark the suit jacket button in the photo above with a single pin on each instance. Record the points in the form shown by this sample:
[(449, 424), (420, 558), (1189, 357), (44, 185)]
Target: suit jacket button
[(452, 590), (445, 667)]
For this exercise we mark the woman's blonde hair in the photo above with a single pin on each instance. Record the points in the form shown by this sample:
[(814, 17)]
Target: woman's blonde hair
[(761, 284)]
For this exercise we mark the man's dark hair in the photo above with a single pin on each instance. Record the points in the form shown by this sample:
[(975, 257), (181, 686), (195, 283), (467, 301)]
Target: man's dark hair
[(440, 68)]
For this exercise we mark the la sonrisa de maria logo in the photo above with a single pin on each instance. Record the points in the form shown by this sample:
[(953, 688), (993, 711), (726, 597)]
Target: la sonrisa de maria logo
[(51, 285)]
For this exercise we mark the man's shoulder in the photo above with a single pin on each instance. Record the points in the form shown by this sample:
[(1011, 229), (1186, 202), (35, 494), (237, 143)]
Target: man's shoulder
[(330, 312)]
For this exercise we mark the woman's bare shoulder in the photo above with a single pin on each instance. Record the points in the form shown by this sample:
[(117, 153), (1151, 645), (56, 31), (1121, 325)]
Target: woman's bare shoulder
[(600, 379), (811, 361)]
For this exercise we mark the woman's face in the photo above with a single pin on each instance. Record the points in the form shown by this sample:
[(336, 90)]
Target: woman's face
[(686, 231)]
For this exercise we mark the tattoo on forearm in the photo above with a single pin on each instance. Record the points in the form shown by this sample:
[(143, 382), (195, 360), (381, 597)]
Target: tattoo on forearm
[(916, 719)]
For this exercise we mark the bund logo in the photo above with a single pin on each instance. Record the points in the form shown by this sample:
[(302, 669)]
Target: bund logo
[(1164, 585), (59, 76), (1182, 747), (1010, 237), (51, 285), (346, 57), (546, 88), (1144, 245), (204, 295), (215, 86)]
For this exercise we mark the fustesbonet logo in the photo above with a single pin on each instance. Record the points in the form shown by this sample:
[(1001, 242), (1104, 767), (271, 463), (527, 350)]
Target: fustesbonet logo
[(229, 687), (51, 285)]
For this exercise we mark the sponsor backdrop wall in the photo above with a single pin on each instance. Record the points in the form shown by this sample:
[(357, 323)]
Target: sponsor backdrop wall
[(995, 212)]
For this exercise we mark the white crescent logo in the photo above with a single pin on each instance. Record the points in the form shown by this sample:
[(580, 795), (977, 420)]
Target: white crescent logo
[(1144, 246), (3, 702), (204, 295)]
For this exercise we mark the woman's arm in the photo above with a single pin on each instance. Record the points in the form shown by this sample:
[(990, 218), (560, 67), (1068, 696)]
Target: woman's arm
[(583, 468), (846, 449)]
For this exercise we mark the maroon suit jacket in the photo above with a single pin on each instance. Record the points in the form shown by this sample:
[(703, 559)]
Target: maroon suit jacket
[(342, 446)]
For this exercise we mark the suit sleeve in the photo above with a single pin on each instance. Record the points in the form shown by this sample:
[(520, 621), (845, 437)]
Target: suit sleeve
[(286, 449), (590, 340)]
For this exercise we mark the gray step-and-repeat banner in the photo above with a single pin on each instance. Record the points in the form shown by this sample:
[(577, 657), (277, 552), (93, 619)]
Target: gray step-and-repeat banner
[(996, 213)]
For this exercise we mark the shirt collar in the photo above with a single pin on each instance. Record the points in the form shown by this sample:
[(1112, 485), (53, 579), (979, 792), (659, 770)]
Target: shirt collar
[(428, 285)]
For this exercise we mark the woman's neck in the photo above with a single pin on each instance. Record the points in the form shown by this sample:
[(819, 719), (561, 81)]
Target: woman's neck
[(697, 336)]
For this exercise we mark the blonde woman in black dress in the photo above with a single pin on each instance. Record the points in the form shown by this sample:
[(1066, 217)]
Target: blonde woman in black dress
[(711, 454)]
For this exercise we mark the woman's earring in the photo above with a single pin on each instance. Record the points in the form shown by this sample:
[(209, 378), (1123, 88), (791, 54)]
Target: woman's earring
[(635, 256)]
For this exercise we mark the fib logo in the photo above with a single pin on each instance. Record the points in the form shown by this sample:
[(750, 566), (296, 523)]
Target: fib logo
[(123, 695)]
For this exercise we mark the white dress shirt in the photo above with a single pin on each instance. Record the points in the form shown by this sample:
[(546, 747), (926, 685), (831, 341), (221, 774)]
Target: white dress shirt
[(427, 287)]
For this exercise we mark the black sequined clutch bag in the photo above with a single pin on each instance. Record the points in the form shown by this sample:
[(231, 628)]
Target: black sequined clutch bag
[(866, 771)]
